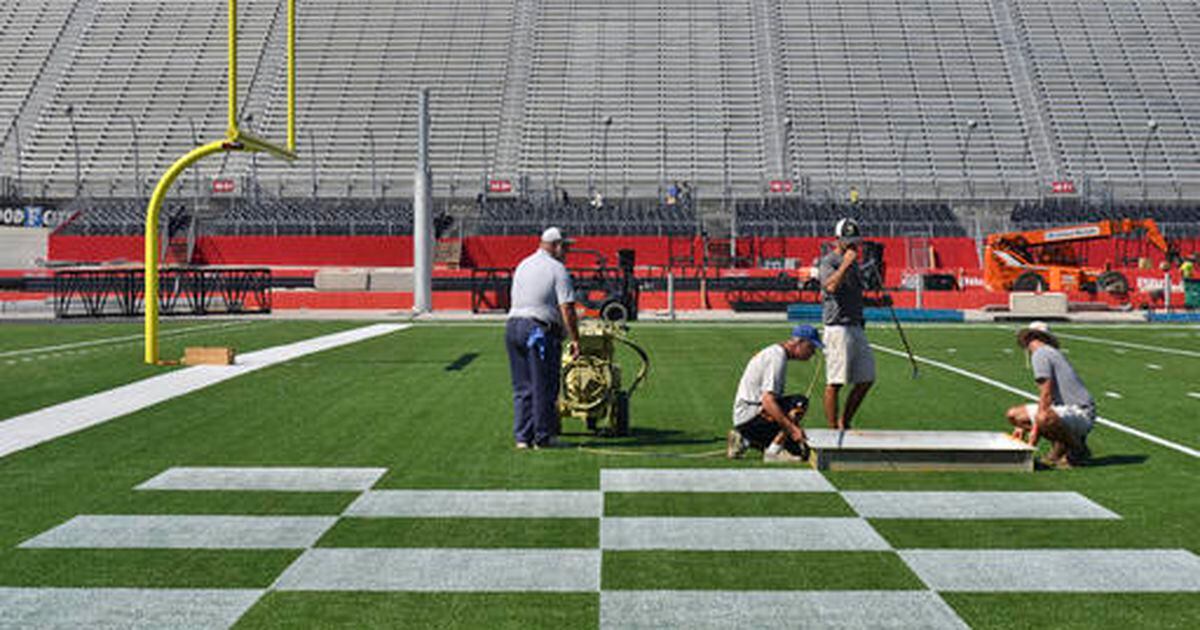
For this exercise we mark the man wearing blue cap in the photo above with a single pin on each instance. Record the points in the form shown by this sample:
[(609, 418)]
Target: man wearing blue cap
[(762, 416)]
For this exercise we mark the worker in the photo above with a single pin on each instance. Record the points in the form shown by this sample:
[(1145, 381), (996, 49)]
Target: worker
[(1064, 413), (763, 418), (542, 310), (848, 356)]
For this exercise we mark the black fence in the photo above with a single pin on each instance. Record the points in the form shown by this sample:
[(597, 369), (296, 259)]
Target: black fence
[(181, 291)]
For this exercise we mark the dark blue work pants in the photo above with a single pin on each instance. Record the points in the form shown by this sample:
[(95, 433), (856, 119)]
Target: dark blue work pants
[(535, 377)]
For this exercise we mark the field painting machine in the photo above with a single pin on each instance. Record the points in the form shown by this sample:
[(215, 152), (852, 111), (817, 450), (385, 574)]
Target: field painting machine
[(590, 388)]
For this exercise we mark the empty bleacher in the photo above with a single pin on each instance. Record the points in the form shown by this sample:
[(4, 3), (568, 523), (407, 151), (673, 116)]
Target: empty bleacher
[(515, 216), (726, 94), (790, 217)]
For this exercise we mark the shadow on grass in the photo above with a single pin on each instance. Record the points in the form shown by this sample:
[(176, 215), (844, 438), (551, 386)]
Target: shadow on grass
[(1117, 460), (640, 437)]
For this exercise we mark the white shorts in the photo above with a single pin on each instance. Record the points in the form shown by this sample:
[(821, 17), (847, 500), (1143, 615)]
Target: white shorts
[(848, 355), (1078, 420)]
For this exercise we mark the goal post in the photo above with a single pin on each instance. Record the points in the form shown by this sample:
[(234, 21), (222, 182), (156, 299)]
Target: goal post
[(235, 140)]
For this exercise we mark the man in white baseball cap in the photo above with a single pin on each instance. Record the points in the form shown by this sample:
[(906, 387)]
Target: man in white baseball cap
[(848, 355), (541, 312)]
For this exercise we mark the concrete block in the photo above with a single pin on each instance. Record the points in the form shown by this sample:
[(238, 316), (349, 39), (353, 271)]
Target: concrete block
[(341, 280)]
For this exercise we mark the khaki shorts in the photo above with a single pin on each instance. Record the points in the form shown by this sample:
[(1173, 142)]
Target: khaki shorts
[(848, 356), (1078, 420)]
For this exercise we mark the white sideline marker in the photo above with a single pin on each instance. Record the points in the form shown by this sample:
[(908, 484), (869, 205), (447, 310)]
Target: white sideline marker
[(693, 480), (1186, 450), (976, 505), (28, 430), (151, 609), (479, 504), (1056, 570), (1128, 344), (740, 534), (444, 570), (184, 532), (776, 609), (1116, 395), (266, 479)]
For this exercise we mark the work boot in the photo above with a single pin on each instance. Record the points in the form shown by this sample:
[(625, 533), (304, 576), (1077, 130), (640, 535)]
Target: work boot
[(735, 445)]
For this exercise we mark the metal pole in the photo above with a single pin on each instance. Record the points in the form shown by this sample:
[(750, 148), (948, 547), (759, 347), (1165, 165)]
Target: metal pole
[(195, 172), (785, 149), (17, 146), (1151, 127), (604, 153), (312, 158), (546, 164), (371, 143), (137, 159), (671, 293), (422, 221), (903, 175), (971, 124), (725, 198), (75, 141)]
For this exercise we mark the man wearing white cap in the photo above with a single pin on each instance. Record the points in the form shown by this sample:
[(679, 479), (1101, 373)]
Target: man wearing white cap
[(1065, 411), (542, 309), (848, 355)]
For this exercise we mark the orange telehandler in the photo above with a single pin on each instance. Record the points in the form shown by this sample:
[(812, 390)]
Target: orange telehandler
[(1038, 260)]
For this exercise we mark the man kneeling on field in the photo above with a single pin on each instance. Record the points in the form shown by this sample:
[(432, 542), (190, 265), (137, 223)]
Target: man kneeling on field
[(1064, 412), (762, 416)]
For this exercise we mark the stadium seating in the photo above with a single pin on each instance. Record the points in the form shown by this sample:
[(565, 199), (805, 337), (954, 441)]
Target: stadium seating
[(1175, 220), (725, 94), (781, 217), (513, 216)]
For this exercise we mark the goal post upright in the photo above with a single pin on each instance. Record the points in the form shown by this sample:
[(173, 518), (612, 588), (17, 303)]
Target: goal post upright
[(234, 140)]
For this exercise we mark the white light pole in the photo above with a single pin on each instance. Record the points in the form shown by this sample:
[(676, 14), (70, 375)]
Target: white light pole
[(1151, 127)]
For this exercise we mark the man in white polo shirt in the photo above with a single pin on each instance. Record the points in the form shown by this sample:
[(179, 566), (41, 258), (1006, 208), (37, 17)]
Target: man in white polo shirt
[(541, 311)]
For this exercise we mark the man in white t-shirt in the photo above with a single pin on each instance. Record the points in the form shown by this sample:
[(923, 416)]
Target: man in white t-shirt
[(762, 416)]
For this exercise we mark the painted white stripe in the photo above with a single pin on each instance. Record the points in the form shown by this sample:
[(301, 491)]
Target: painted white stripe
[(478, 570), (478, 504), (184, 532), (1128, 344), (112, 340), (123, 608), (776, 609), (1153, 366), (266, 479), (1194, 394), (741, 534), (1112, 424), (711, 480), (1114, 395), (976, 505), (1056, 570), (22, 432)]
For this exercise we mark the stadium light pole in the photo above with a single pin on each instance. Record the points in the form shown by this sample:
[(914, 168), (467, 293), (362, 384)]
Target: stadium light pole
[(785, 149), (371, 145), (970, 185), (312, 158), (17, 148), (253, 158), (1151, 128), (604, 153), (75, 141), (903, 173), (137, 158)]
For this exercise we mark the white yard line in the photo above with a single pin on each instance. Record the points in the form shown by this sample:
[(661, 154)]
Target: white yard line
[(24, 431), (1128, 344), (112, 340), (1020, 392)]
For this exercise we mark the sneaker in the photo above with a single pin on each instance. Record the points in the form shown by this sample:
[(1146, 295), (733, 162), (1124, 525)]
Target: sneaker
[(781, 457), (735, 445), (550, 443), (522, 446)]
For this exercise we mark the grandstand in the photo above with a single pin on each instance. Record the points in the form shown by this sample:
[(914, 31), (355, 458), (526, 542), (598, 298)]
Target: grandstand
[(917, 103)]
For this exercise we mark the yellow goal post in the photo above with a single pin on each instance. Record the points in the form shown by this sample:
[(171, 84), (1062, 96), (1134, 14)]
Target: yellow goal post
[(235, 140)]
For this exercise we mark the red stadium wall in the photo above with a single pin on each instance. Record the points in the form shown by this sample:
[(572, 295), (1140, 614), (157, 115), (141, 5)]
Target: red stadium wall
[(507, 251)]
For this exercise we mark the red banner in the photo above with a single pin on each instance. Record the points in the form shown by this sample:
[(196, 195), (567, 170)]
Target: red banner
[(223, 186), (1062, 188), (499, 186)]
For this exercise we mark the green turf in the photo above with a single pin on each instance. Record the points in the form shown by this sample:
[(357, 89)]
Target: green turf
[(756, 571), (56, 376), (214, 502), (390, 402), (725, 504), (146, 568), (424, 610), (502, 533), (1070, 611)]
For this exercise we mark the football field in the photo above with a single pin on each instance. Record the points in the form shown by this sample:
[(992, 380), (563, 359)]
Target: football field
[(373, 483)]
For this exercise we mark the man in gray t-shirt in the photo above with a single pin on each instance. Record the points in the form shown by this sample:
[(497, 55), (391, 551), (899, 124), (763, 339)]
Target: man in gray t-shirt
[(1065, 411), (848, 356), (762, 416)]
